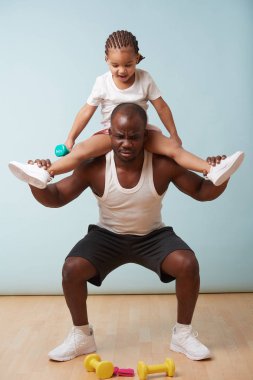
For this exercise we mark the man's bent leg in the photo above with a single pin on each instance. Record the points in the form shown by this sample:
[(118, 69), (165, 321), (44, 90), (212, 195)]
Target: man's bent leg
[(76, 271), (183, 265)]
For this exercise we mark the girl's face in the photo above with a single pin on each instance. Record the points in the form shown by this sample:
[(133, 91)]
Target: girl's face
[(122, 63)]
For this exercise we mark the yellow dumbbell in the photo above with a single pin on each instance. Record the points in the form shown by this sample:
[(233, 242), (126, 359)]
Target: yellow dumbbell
[(168, 366), (103, 369)]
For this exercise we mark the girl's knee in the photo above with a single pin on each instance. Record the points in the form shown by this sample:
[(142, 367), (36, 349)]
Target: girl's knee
[(78, 150), (175, 148), (158, 143)]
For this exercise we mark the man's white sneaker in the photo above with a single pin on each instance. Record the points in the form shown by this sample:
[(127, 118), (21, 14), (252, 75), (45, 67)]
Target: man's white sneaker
[(221, 172), (32, 174), (186, 342), (77, 343)]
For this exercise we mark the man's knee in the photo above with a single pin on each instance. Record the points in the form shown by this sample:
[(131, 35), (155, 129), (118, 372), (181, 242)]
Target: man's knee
[(77, 269), (70, 270), (181, 263), (189, 265)]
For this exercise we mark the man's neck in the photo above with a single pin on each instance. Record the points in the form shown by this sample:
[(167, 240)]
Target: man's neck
[(129, 173), (132, 165)]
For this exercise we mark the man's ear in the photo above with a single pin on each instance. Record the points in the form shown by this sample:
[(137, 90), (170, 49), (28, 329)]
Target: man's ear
[(110, 132), (106, 58)]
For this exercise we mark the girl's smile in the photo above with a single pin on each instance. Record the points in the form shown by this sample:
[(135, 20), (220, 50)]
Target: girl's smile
[(122, 64)]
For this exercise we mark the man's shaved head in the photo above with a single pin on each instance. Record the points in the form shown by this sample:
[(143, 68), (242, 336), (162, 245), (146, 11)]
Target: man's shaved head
[(130, 111)]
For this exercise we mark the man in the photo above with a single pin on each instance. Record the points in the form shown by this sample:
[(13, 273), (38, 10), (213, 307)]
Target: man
[(129, 184)]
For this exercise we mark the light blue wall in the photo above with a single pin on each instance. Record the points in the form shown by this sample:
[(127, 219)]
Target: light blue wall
[(200, 54)]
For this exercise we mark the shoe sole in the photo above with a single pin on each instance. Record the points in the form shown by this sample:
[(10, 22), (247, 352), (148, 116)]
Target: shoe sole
[(20, 174), (231, 169), (176, 348), (67, 358)]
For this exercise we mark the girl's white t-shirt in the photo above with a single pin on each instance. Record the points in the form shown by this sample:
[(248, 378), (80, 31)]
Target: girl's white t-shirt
[(108, 95)]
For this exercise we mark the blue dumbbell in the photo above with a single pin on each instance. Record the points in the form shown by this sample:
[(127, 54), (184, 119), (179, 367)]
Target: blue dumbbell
[(61, 150)]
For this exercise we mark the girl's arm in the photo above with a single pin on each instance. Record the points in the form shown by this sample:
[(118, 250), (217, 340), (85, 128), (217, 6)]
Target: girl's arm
[(166, 117), (80, 122)]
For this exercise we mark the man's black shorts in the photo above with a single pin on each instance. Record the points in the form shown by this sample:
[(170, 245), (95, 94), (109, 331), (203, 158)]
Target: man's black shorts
[(107, 250)]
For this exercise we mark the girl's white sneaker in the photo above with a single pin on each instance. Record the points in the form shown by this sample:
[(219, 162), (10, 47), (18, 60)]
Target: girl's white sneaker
[(221, 172), (30, 173)]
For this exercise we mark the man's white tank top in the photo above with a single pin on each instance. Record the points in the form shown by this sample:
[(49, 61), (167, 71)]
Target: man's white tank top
[(135, 211)]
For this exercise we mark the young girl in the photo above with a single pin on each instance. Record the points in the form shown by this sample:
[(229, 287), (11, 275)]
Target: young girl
[(124, 83)]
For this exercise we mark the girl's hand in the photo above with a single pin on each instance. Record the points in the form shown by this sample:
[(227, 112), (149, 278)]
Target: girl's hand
[(69, 143)]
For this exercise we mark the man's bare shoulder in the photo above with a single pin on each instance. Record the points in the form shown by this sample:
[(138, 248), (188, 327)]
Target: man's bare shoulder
[(92, 166), (91, 173), (164, 164), (164, 172)]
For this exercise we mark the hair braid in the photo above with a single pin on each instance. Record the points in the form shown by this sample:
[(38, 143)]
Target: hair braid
[(120, 39)]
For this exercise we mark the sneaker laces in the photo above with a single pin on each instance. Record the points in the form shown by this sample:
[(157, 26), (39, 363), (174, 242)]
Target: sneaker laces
[(192, 334), (75, 332), (72, 339), (191, 340), (69, 336)]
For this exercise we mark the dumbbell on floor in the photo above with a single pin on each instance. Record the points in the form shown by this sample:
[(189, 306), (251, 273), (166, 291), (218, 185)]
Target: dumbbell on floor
[(103, 369), (168, 367)]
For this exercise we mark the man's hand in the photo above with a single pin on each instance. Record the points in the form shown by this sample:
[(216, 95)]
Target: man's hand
[(213, 161), (42, 163)]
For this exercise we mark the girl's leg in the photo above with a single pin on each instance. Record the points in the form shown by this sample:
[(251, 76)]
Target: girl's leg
[(95, 146), (159, 144)]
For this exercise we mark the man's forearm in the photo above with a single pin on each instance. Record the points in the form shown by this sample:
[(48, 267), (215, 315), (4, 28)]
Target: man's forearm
[(48, 197), (209, 192)]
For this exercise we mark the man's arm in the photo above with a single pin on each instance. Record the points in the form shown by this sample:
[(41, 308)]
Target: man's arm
[(64, 191), (196, 186), (165, 170)]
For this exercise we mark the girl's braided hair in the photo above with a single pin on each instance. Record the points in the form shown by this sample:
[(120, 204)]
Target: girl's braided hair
[(120, 39)]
